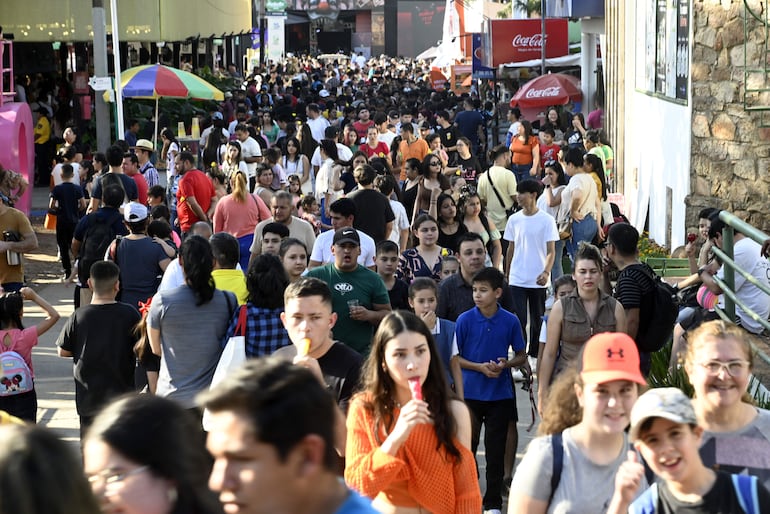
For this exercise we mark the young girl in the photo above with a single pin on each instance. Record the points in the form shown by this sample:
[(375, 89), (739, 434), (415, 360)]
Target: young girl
[(562, 286), (293, 187), (293, 255), (310, 211), (272, 156), (408, 444), (449, 264), (18, 397), (424, 260), (584, 422)]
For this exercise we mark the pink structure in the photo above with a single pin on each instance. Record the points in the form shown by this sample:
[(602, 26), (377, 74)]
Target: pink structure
[(17, 146)]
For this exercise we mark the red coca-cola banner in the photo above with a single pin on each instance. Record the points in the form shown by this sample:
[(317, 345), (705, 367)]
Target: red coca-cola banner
[(522, 40)]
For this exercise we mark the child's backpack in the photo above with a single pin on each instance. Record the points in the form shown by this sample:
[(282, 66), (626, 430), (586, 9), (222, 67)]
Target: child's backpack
[(745, 489), (15, 375)]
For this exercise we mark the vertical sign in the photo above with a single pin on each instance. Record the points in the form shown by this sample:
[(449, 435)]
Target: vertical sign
[(276, 41), (479, 56)]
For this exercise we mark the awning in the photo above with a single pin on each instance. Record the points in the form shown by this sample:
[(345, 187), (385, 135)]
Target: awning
[(295, 17), (139, 20), (566, 60)]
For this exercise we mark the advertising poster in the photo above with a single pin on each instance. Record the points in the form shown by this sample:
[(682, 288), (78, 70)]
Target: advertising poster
[(682, 49), (479, 57), (522, 40)]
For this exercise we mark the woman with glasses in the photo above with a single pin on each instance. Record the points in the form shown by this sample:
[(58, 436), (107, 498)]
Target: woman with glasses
[(468, 166), (718, 363), (145, 455), (430, 184)]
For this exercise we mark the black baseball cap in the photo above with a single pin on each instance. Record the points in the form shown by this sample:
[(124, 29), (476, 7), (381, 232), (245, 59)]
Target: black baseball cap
[(346, 235)]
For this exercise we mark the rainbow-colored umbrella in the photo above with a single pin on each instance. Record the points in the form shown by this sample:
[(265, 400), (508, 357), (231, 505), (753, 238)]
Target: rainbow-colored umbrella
[(158, 81)]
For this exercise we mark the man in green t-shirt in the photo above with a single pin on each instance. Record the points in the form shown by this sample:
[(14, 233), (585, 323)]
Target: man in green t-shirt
[(360, 298)]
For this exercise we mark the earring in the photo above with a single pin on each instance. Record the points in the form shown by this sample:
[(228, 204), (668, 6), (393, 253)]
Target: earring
[(172, 495)]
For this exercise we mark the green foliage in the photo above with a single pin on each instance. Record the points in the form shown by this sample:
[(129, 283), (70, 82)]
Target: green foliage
[(661, 376), (175, 109), (649, 248)]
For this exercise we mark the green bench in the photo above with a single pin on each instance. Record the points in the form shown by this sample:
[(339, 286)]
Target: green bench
[(666, 267)]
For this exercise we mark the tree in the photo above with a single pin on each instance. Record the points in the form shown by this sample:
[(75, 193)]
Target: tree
[(528, 6)]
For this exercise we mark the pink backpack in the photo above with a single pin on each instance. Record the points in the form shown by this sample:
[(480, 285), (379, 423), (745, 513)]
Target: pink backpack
[(15, 375)]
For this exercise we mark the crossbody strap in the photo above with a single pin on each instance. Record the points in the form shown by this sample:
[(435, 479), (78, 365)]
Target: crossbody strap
[(557, 446), (497, 193)]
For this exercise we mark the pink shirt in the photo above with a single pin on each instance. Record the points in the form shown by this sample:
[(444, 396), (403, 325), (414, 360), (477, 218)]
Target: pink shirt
[(21, 342), (238, 219)]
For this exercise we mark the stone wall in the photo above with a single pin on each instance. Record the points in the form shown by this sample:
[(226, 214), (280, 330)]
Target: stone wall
[(730, 163)]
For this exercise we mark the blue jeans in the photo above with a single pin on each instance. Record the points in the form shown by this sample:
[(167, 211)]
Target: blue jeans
[(584, 230), (244, 242), (521, 171)]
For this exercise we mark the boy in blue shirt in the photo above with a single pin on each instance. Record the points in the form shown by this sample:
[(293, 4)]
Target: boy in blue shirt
[(482, 336)]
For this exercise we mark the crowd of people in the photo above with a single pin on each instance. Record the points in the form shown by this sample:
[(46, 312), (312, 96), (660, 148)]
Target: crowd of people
[(386, 268)]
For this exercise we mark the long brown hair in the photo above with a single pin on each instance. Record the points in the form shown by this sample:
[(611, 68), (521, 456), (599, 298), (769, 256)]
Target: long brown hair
[(379, 389)]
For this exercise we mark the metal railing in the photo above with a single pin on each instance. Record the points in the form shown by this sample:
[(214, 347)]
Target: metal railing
[(727, 284)]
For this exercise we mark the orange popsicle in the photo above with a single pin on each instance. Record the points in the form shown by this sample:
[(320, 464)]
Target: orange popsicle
[(304, 347)]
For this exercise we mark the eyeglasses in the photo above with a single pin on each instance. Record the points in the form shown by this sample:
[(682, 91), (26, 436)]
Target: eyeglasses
[(733, 368), (111, 477)]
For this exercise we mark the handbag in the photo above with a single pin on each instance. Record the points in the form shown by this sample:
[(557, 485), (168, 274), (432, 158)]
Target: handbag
[(564, 224), (233, 357), (508, 212), (50, 221)]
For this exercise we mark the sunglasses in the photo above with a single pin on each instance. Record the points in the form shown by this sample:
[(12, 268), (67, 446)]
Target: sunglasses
[(435, 163)]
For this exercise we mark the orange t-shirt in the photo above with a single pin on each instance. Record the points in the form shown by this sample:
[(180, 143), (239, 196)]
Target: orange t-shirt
[(521, 153), (418, 149)]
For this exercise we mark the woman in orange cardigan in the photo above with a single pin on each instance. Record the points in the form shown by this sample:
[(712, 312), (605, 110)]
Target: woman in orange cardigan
[(408, 444)]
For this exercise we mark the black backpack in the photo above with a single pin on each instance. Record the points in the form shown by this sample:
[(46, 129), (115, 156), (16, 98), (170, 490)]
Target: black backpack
[(96, 240), (663, 302)]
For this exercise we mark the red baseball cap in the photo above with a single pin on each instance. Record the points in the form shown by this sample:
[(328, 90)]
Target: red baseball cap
[(611, 356)]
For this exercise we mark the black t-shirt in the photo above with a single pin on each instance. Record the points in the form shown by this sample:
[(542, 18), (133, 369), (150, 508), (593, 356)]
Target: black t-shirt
[(634, 290), (399, 296), (449, 138), (721, 499), (67, 196), (372, 213), (341, 368), (408, 197), (471, 168), (451, 240), (101, 339)]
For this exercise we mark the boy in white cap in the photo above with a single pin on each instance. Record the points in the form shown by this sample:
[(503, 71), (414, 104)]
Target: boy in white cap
[(665, 431)]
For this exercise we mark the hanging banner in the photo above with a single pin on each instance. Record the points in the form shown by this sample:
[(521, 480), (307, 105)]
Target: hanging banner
[(522, 40), (276, 41), (479, 55)]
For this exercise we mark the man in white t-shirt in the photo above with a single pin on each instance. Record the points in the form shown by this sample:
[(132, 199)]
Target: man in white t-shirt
[(342, 214), (747, 256), (531, 235), (343, 152), (316, 122), (251, 152)]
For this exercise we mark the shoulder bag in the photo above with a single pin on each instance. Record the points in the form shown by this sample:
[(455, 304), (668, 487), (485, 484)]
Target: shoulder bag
[(508, 212)]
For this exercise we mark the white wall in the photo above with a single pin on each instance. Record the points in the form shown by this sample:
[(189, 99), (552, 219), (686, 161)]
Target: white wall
[(657, 153)]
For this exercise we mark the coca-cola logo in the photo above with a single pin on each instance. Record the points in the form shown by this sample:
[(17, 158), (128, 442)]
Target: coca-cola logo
[(541, 93), (534, 41)]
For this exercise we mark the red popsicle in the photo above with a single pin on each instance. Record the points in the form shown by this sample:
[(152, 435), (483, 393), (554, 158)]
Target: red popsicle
[(416, 388)]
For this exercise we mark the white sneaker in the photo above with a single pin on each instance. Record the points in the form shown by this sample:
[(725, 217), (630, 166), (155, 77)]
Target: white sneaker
[(532, 363), (518, 376), (493, 511)]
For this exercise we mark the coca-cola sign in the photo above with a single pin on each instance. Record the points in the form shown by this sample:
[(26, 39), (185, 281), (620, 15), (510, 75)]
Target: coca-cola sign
[(543, 93), (522, 40)]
